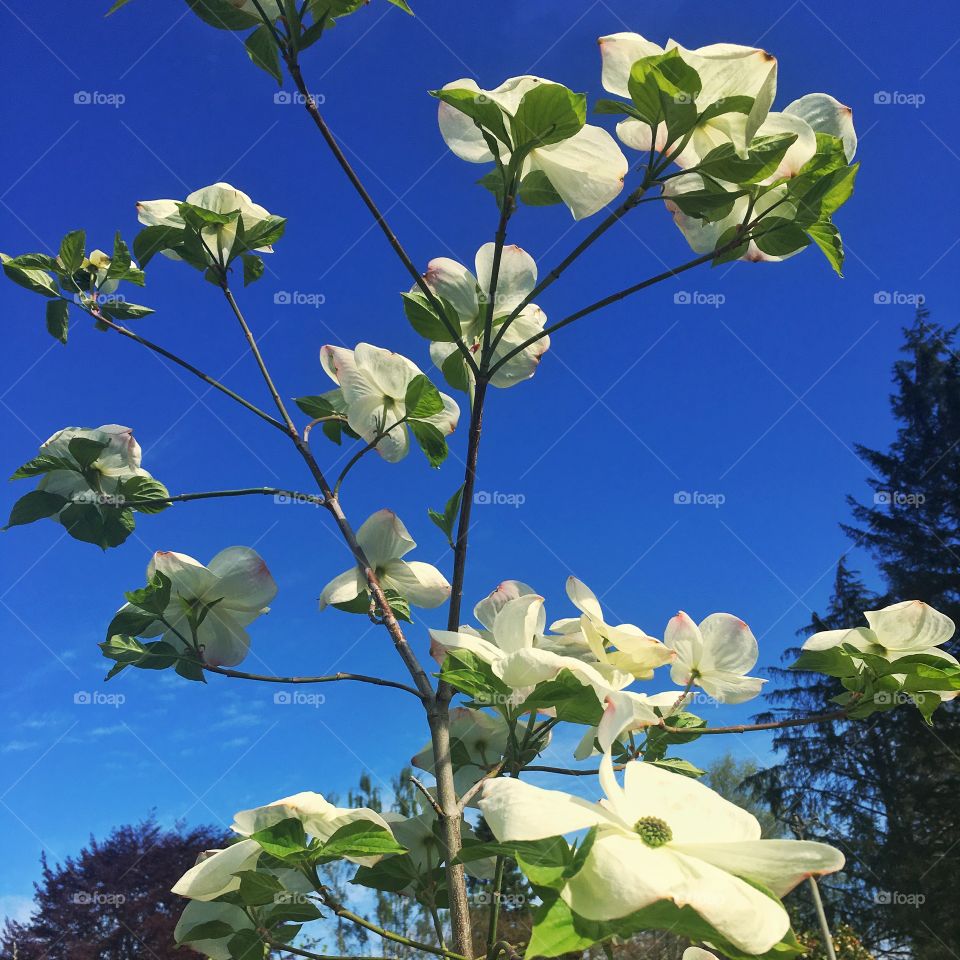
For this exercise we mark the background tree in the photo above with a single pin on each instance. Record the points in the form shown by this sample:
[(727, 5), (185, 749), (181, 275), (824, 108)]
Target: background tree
[(112, 901), (885, 790)]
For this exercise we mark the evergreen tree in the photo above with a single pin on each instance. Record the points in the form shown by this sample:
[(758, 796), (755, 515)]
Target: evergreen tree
[(886, 789)]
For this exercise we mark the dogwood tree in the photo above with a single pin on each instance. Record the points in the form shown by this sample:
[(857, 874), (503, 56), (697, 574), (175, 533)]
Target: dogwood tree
[(693, 131)]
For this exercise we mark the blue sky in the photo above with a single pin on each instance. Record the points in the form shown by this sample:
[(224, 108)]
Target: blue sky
[(758, 399)]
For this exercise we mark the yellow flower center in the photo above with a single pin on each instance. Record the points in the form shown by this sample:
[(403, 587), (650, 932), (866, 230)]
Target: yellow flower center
[(653, 831)]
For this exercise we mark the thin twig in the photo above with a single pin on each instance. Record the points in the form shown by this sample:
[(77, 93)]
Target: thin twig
[(330, 678), (472, 792), (206, 378), (431, 799), (295, 495)]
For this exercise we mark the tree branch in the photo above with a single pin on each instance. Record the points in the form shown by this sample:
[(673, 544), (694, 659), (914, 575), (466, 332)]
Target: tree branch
[(295, 495), (453, 329), (206, 378), (331, 678)]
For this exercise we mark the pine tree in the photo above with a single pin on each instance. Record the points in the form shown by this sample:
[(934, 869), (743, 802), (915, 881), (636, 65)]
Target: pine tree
[(886, 789)]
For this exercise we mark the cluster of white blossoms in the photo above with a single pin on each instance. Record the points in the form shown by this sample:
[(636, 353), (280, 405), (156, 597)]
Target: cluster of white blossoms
[(226, 596)]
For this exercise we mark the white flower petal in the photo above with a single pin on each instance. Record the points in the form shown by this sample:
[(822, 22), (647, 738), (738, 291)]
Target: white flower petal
[(778, 865), (728, 644), (456, 284), (825, 114), (683, 637), (460, 132), (587, 170), (383, 537), (421, 583), (245, 581), (517, 276), (517, 810), (619, 52), (488, 608), (910, 625), (214, 875), (519, 622), (343, 588)]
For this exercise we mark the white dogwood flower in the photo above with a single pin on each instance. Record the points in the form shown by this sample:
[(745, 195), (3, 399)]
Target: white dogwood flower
[(385, 541), (468, 295), (664, 837), (119, 460), (633, 651), (373, 384), (219, 198), (716, 655), (236, 585), (905, 629), (586, 169), (511, 648)]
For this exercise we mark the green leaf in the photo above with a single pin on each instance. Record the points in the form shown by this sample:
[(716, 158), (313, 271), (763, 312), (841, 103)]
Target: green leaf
[(817, 196), (117, 5), (664, 88), (316, 407), (30, 278), (120, 261), (108, 527), (123, 310), (58, 319), (262, 50), (362, 838), (431, 440), (476, 105), (151, 240), (574, 702), (456, 372), (200, 217), (422, 399), (676, 765), (403, 5), (548, 113), (72, 248), (735, 252), (223, 14), (258, 888), (252, 268), (154, 598), (36, 505), (735, 104), (826, 236), (246, 945), (424, 320), (284, 840), (446, 520), (778, 236), (145, 488), (393, 875), (85, 451), (536, 190), (707, 204), (616, 108), (291, 908), (41, 465), (212, 929), (470, 675), (261, 233), (763, 157)]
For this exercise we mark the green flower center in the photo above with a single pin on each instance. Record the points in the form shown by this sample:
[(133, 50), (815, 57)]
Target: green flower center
[(653, 831)]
